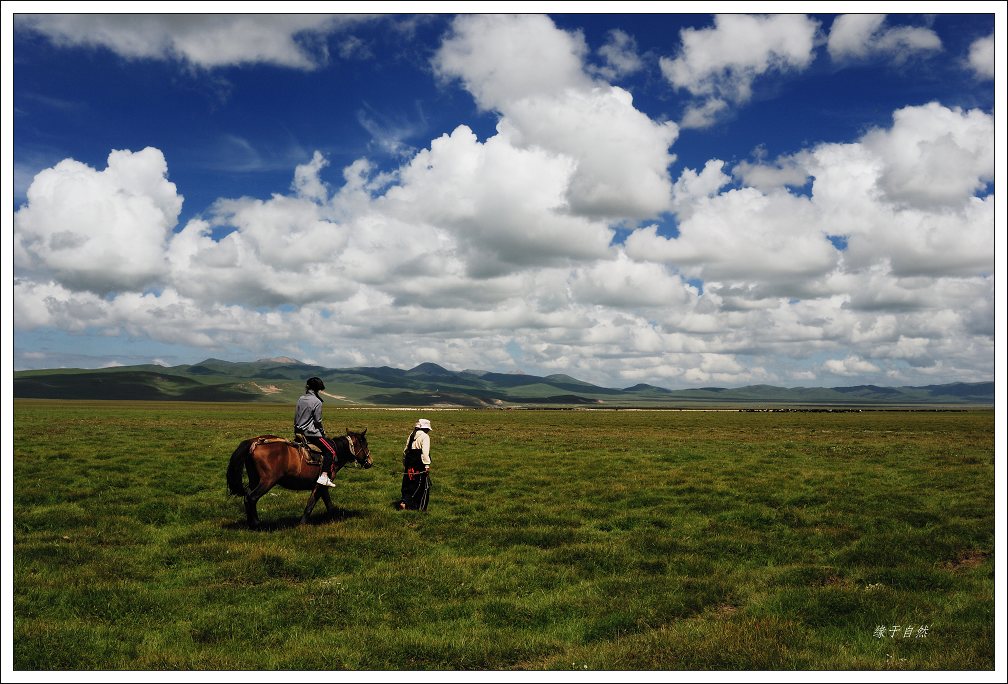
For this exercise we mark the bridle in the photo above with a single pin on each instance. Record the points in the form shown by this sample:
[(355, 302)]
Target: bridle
[(361, 460)]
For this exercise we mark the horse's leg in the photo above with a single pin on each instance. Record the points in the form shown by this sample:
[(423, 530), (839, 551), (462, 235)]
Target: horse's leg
[(267, 478), (250, 503), (311, 503)]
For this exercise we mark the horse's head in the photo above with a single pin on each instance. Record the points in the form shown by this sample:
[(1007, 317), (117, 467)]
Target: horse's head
[(359, 448)]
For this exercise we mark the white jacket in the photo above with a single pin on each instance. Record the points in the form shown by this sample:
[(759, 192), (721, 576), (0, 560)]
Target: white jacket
[(421, 441)]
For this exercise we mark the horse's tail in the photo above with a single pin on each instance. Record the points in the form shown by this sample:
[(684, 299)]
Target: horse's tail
[(234, 471)]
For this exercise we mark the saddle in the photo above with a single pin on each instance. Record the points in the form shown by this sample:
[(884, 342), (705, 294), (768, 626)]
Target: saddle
[(311, 454)]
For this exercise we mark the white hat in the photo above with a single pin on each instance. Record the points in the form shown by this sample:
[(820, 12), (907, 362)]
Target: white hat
[(422, 424)]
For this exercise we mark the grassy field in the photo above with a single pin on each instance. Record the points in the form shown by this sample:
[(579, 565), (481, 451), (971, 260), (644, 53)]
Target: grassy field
[(556, 540)]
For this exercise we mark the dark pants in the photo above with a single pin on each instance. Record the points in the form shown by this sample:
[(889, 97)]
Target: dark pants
[(328, 451), (416, 486)]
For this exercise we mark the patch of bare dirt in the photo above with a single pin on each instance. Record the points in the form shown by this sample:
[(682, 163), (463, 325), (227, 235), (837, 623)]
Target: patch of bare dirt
[(965, 561)]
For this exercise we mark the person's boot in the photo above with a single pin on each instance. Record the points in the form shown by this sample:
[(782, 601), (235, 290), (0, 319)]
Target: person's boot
[(323, 479)]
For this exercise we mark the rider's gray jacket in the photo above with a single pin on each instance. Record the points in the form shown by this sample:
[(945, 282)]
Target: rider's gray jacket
[(308, 415)]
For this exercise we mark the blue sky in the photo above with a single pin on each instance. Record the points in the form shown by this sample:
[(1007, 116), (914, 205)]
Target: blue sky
[(683, 200)]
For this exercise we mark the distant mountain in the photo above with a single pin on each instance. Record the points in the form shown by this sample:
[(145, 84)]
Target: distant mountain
[(282, 360), (282, 379)]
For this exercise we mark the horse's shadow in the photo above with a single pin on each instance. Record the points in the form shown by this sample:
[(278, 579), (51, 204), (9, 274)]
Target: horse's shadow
[(339, 515)]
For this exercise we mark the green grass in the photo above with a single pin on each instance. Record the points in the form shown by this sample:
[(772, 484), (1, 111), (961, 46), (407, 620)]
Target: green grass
[(556, 540)]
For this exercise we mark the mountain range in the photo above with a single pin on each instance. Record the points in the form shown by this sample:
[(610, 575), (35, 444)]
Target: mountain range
[(281, 380)]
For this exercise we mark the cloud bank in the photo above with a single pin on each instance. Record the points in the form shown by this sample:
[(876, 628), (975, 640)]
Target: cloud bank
[(510, 252)]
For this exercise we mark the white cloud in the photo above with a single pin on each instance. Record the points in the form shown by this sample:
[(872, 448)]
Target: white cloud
[(307, 183), (504, 206), (905, 40), (743, 235), (620, 55), (532, 73), (30, 305), (786, 172), (933, 155), (850, 366), (98, 230), (280, 251), (914, 276), (916, 243), (504, 58), (704, 113), (202, 40), (719, 65), (850, 34), (981, 57), (692, 187), (903, 196), (628, 285), (860, 36), (620, 157)]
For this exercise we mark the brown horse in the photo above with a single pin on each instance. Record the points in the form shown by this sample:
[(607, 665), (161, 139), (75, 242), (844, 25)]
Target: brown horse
[(271, 460)]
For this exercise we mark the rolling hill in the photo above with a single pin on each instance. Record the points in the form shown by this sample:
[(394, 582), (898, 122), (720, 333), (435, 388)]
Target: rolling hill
[(281, 380)]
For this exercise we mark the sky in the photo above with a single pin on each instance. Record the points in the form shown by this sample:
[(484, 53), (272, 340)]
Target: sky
[(683, 200)]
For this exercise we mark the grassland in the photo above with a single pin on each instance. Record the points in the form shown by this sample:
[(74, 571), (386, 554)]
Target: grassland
[(557, 540)]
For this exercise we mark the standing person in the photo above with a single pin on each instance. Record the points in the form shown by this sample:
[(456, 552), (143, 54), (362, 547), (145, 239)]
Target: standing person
[(308, 423), (416, 482)]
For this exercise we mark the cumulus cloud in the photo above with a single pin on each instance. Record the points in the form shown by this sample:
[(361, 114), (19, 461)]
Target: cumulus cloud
[(504, 205), (279, 251), (621, 156), (202, 40), (911, 264), (744, 234), (934, 155), (504, 58), (903, 196), (533, 74), (860, 36), (98, 230), (625, 283), (719, 65), (981, 57)]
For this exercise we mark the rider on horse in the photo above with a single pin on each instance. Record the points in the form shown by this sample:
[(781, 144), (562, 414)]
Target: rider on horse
[(308, 424)]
